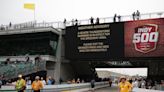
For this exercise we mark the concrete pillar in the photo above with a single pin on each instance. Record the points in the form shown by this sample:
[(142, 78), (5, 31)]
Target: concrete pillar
[(57, 71), (153, 68)]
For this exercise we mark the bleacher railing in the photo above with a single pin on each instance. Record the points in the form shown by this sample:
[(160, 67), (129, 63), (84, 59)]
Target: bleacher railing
[(10, 71), (62, 25)]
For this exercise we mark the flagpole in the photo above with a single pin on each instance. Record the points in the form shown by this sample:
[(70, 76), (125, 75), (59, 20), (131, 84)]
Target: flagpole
[(34, 19), (34, 14)]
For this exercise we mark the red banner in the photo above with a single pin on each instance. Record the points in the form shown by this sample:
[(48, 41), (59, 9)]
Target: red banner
[(144, 38)]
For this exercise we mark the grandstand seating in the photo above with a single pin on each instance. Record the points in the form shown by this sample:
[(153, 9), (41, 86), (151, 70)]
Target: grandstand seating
[(11, 70)]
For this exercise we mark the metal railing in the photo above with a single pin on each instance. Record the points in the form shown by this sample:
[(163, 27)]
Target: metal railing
[(62, 25)]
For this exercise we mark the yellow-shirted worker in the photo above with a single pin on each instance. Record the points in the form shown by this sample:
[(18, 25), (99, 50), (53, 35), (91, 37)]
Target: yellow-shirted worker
[(37, 85), (124, 86), (20, 84)]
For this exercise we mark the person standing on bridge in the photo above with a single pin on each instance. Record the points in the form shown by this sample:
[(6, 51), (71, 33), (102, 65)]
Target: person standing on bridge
[(124, 85), (37, 85)]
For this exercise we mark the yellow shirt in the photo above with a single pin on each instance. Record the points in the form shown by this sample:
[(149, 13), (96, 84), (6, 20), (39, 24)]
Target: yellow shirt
[(20, 84), (125, 87), (37, 85)]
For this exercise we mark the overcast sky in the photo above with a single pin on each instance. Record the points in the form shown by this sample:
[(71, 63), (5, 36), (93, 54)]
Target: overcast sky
[(127, 71), (57, 10)]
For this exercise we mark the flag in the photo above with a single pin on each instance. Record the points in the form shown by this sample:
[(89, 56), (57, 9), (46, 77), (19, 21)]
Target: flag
[(30, 6)]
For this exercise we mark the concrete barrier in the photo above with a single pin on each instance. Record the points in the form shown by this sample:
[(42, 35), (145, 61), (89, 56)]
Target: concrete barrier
[(62, 87), (145, 90)]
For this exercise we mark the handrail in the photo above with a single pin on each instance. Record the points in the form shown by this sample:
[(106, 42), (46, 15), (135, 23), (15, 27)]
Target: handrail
[(61, 25)]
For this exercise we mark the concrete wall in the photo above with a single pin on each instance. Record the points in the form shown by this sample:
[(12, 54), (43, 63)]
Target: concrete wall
[(50, 66), (67, 72)]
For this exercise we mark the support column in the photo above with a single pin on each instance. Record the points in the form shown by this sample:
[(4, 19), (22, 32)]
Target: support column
[(57, 66)]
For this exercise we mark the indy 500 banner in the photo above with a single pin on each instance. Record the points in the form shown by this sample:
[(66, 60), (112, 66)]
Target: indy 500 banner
[(144, 38)]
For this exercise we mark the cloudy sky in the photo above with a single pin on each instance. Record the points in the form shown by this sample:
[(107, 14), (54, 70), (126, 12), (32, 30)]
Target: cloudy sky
[(57, 10), (127, 71)]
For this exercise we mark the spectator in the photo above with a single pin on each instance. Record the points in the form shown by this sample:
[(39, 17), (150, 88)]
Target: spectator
[(37, 85), (138, 15), (135, 83), (10, 24), (0, 82), (7, 61), (119, 18), (2, 27), (92, 20), (110, 82), (92, 84), (20, 84), (49, 82), (152, 84), (53, 81), (124, 86), (43, 81), (73, 81), (60, 80), (97, 20), (82, 81), (28, 81), (78, 80), (76, 22), (139, 83), (143, 82), (65, 22), (27, 59), (72, 22), (114, 18), (69, 82), (134, 15)]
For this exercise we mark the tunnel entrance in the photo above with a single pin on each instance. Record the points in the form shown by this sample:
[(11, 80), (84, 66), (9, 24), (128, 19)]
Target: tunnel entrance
[(115, 73)]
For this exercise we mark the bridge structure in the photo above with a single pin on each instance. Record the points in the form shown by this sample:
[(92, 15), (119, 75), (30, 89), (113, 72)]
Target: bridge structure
[(47, 40)]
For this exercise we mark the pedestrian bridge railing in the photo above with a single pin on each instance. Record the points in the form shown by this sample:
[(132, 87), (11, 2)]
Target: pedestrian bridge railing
[(58, 88), (62, 25)]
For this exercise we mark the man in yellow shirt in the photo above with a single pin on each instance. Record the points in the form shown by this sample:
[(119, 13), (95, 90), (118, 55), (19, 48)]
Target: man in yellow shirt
[(20, 84), (37, 85), (124, 86)]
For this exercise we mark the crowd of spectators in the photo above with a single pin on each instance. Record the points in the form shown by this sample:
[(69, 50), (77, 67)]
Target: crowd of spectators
[(116, 18), (146, 83)]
